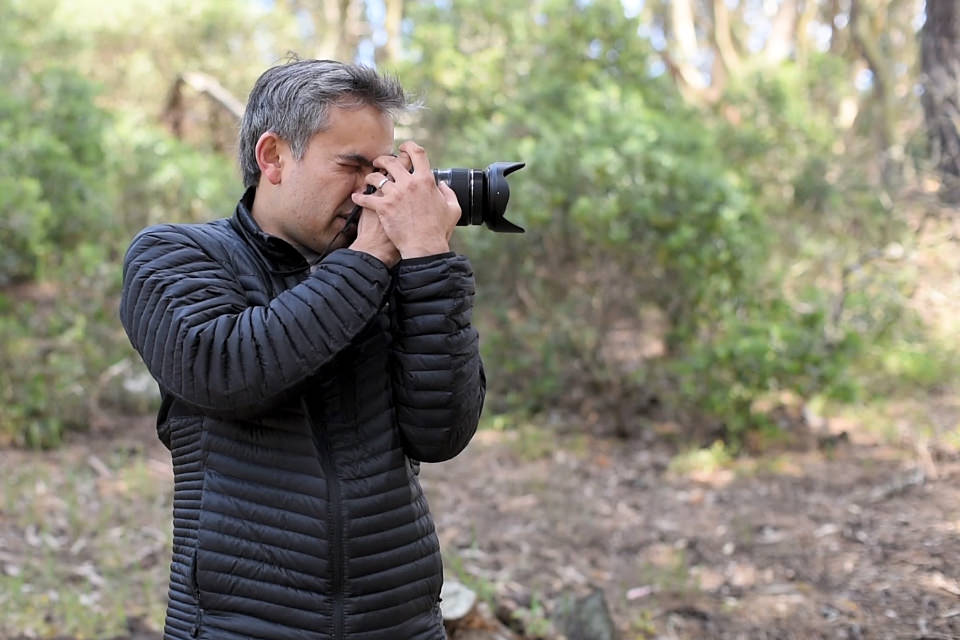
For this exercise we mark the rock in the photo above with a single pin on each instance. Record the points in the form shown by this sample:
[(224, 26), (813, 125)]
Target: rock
[(466, 618), (481, 634), (456, 601), (127, 387), (585, 618)]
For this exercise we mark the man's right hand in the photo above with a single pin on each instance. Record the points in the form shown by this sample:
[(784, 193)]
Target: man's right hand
[(372, 239), (417, 213)]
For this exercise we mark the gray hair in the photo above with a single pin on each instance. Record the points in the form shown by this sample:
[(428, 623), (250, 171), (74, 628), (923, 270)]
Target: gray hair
[(293, 100)]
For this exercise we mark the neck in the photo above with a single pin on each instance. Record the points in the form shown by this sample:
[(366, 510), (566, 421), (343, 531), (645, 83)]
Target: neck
[(261, 208)]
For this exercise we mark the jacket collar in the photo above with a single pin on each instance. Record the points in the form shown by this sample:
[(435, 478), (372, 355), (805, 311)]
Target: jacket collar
[(278, 254)]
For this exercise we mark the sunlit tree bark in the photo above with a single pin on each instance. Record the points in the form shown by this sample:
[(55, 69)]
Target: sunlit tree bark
[(868, 29), (393, 21), (338, 26), (783, 36)]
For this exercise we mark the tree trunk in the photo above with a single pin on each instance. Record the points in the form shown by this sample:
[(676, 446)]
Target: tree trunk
[(727, 53), (867, 26), (389, 53), (338, 26), (686, 49), (783, 36), (940, 61)]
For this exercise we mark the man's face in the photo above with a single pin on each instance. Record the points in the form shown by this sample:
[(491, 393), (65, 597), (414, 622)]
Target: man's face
[(313, 200)]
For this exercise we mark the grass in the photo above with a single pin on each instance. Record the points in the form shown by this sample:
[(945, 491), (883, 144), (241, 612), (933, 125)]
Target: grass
[(642, 626), (669, 572), (530, 439), (453, 567), (910, 391), (84, 544), (706, 460), (535, 619)]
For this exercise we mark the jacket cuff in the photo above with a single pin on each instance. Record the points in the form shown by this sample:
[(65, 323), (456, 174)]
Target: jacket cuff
[(423, 260), (444, 275), (370, 265)]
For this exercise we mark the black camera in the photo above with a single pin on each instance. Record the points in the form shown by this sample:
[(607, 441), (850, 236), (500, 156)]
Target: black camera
[(482, 194)]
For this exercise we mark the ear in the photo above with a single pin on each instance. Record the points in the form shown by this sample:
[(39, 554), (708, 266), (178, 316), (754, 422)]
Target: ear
[(269, 153)]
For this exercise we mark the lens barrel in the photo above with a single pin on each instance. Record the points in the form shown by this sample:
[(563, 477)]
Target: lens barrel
[(482, 194)]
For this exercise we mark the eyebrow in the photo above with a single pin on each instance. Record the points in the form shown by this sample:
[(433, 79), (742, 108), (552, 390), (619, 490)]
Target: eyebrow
[(355, 157)]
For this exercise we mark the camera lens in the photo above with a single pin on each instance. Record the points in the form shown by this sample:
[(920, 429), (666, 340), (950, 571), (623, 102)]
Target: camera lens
[(469, 185), (482, 194)]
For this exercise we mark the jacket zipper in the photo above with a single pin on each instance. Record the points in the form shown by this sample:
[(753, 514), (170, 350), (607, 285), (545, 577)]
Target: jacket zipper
[(335, 521)]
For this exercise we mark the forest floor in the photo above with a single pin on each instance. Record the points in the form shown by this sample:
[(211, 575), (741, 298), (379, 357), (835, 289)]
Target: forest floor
[(861, 540)]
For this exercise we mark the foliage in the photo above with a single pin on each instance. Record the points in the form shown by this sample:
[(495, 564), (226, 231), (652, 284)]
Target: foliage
[(534, 620), (55, 347), (749, 224), (158, 178), (51, 154), (761, 349), (632, 198), (155, 41), (708, 460), (75, 184)]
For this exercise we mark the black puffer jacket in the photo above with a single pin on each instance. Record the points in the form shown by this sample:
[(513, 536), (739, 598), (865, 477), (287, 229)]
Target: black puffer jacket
[(296, 406)]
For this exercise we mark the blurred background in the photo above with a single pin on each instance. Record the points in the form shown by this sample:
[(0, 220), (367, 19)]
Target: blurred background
[(740, 272)]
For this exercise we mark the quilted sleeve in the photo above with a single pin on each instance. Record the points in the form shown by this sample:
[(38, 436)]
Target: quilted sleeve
[(187, 316), (438, 377)]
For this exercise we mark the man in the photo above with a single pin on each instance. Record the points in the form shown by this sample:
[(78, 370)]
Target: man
[(306, 368)]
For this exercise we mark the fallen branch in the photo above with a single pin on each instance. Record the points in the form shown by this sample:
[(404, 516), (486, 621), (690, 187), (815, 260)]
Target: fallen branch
[(898, 485), (205, 85)]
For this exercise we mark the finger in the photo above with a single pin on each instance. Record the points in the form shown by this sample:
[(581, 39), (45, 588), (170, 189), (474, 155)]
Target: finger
[(366, 201), (377, 180), (404, 157), (392, 165), (418, 156)]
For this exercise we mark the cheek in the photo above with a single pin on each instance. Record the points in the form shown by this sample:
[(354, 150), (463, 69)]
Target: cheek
[(320, 197), (339, 195), (349, 183)]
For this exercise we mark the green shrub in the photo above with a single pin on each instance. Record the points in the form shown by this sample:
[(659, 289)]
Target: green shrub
[(75, 184), (633, 198), (52, 161), (55, 347), (752, 352)]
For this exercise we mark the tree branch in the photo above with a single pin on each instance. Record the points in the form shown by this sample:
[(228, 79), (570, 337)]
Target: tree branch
[(722, 38), (393, 21), (684, 36), (777, 47), (205, 85), (869, 46)]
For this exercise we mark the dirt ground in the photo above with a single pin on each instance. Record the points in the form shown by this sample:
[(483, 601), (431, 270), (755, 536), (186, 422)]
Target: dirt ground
[(860, 541), (857, 542)]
